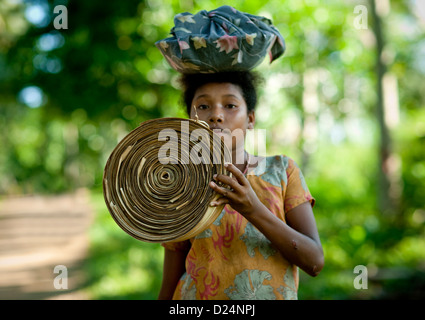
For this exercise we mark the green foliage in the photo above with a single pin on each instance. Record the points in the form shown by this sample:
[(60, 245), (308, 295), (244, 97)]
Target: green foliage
[(103, 76)]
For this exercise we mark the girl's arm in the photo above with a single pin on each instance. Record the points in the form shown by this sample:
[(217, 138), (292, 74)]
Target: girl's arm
[(174, 267), (298, 240)]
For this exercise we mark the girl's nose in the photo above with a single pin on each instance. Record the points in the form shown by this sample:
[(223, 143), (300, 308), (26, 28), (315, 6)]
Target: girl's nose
[(216, 115)]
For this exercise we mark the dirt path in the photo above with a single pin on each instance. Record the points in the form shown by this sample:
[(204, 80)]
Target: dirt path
[(38, 233)]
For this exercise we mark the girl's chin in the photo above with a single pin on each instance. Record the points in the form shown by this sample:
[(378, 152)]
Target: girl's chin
[(223, 133)]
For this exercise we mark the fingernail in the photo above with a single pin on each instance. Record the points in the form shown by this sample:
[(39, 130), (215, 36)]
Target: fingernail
[(212, 184), (214, 176), (226, 164), (213, 203)]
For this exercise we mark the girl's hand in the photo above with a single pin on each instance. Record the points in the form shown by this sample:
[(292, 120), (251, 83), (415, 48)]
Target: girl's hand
[(297, 240), (241, 196)]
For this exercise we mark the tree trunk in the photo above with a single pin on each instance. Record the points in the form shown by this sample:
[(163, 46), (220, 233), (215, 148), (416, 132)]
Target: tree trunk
[(385, 202)]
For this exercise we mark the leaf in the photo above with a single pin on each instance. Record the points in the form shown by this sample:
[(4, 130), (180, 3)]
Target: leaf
[(250, 38), (253, 239), (199, 42), (249, 286), (186, 18)]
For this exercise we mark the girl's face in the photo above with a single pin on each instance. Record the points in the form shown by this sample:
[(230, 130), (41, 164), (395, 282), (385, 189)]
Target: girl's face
[(222, 106)]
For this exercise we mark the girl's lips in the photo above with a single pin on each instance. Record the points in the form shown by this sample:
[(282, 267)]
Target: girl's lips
[(216, 128), (221, 131)]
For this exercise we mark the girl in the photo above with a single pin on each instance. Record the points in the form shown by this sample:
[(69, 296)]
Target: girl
[(267, 227)]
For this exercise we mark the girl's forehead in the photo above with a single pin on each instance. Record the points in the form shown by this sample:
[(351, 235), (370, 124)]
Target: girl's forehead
[(219, 89)]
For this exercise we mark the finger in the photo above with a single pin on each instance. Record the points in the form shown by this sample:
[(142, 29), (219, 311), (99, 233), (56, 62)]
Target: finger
[(231, 182), (220, 201), (236, 173), (223, 191)]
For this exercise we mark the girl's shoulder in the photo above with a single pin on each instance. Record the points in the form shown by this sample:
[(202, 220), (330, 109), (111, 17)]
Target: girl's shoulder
[(273, 169), (261, 164)]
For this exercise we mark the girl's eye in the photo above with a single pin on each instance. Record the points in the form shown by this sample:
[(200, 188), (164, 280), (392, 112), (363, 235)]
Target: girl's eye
[(202, 106), (231, 106)]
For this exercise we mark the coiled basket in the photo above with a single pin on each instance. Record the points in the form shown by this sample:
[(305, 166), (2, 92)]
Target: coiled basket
[(156, 179)]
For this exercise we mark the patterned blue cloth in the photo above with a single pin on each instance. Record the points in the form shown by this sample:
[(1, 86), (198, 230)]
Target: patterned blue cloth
[(223, 39)]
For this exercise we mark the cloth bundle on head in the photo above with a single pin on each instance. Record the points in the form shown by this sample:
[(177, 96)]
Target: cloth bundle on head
[(223, 39)]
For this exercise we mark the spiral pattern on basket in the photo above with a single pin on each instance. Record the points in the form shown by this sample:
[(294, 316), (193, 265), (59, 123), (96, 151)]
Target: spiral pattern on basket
[(156, 179)]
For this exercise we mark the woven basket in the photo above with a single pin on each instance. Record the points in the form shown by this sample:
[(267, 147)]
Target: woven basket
[(156, 201)]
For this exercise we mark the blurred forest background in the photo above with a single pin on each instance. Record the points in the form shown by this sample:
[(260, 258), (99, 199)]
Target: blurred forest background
[(346, 101)]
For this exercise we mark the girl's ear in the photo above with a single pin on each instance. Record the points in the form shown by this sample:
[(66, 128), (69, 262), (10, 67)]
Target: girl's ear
[(251, 119)]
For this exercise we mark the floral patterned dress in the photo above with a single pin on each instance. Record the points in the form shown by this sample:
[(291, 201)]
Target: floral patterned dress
[(232, 259)]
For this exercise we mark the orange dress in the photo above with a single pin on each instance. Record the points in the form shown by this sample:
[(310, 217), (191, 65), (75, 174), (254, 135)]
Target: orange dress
[(232, 259)]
